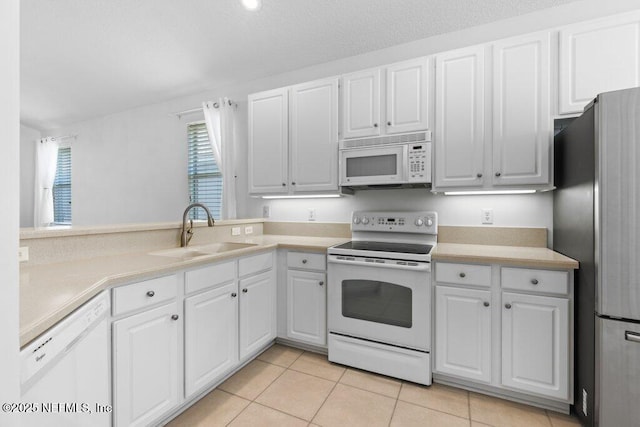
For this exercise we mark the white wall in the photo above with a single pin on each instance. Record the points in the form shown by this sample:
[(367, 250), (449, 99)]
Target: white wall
[(131, 166), (28, 139), (9, 218)]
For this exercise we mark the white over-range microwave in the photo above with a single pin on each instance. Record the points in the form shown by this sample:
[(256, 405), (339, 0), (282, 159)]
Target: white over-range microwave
[(398, 160)]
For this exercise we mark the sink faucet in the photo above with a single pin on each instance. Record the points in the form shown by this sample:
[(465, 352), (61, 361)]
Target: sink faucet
[(187, 234)]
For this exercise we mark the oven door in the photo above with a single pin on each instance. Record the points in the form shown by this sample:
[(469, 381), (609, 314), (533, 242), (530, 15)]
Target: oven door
[(373, 166), (382, 302)]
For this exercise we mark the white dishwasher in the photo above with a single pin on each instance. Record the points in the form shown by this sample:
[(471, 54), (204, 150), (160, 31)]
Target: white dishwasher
[(65, 373)]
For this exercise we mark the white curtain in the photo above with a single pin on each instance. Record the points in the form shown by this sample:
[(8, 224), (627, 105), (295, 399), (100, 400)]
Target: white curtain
[(46, 161), (220, 123)]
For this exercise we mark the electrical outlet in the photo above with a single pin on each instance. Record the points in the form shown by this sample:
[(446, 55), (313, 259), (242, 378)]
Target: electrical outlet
[(23, 254), (248, 229), (487, 216), (312, 214), (584, 402), (266, 211), (235, 231)]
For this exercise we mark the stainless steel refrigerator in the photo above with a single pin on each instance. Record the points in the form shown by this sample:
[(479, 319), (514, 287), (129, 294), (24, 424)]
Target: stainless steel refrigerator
[(596, 220)]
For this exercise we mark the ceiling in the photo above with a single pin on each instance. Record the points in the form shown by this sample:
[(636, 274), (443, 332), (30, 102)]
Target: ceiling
[(88, 58)]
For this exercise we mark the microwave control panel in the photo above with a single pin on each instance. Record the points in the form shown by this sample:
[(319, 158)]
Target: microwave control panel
[(419, 162)]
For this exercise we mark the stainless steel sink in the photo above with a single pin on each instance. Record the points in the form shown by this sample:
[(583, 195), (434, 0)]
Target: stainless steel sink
[(202, 250)]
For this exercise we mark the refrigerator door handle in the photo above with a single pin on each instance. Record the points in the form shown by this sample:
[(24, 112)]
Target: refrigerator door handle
[(632, 336)]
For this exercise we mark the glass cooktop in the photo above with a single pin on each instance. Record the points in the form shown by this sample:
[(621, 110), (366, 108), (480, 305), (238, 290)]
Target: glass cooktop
[(406, 248)]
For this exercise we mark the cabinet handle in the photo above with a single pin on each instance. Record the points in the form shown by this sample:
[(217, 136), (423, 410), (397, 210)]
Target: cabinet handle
[(463, 274), (498, 174), (321, 283), (245, 290), (233, 295), (284, 185), (507, 306), (293, 183), (304, 261), (534, 281), (375, 125), (175, 317), (486, 304), (150, 294), (479, 175), (388, 123)]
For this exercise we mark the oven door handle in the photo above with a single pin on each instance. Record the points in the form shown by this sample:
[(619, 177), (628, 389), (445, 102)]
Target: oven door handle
[(420, 266)]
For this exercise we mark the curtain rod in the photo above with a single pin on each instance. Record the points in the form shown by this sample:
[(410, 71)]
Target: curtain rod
[(179, 114)]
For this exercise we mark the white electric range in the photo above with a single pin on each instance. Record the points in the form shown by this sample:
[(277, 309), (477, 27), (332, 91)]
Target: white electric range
[(379, 294)]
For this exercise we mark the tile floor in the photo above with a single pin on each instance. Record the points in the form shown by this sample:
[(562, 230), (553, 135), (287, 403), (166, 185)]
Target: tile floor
[(290, 387)]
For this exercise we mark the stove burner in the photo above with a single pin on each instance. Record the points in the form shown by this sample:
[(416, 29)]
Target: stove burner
[(406, 248)]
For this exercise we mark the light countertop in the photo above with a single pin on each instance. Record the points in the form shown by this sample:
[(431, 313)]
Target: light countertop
[(49, 292), (513, 255)]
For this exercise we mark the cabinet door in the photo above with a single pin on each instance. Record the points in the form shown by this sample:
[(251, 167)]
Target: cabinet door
[(521, 110), (407, 96), (211, 336), (314, 136), (459, 148), (268, 142), (257, 312), (598, 56), (361, 104), (535, 344), (307, 307), (463, 333), (145, 353)]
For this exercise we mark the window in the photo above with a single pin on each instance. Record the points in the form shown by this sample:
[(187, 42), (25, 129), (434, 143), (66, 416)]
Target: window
[(62, 187), (205, 179)]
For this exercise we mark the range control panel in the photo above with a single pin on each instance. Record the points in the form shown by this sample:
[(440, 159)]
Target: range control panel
[(424, 222)]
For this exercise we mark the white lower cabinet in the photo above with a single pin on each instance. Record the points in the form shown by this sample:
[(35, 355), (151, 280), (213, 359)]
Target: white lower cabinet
[(146, 365), (257, 312), (463, 332), (307, 306), (211, 336), (535, 344)]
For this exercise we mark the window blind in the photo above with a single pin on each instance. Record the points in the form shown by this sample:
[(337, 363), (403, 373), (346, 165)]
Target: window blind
[(62, 188), (205, 179)]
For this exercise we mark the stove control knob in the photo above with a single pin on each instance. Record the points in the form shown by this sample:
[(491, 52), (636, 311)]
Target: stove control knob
[(429, 222), (419, 222), (365, 220), (356, 220)]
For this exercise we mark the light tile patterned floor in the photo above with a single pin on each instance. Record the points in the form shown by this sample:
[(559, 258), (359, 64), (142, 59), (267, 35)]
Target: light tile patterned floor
[(289, 387)]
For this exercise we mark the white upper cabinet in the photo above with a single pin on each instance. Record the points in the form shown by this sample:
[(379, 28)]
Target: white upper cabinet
[(361, 104), (407, 96), (598, 56), (314, 136), (521, 110), (268, 141), (459, 146), (405, 104)]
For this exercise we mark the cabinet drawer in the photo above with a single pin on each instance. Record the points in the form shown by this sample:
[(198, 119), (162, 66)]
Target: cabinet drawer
[(554, 282), (307, 261), (463, 274), (210, 276), (255, 263), (143, 294)]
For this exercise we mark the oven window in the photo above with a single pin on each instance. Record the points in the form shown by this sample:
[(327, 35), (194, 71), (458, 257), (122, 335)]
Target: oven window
[(379, 302), (372, 165)]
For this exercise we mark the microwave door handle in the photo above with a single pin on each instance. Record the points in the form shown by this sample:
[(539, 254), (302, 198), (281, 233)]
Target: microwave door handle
[(405, 163)]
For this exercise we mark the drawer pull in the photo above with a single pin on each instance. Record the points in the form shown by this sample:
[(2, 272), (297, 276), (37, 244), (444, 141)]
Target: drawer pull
[(507, 306), (150, 294), (463, 274), (632, 336), (245, 290), (304, 261), (534, 281), (233, 295), (486, 304), (175, 317)]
